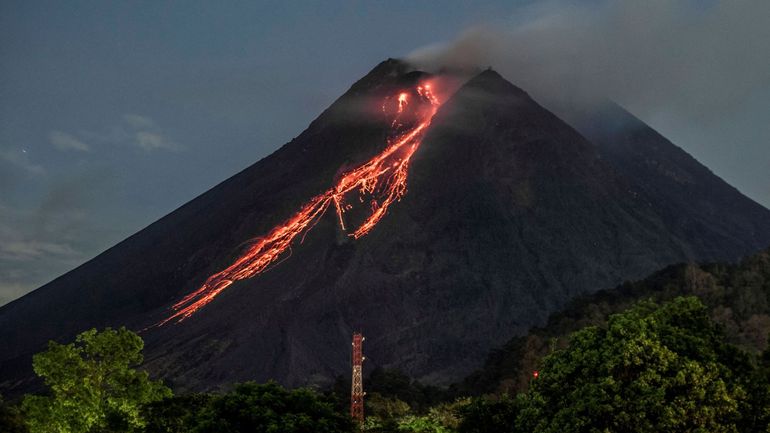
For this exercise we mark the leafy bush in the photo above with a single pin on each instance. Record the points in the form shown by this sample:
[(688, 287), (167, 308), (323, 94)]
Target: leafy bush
[(258, 408), (93, 385)]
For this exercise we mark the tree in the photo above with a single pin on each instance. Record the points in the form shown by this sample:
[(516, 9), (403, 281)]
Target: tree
[(384, 413), (258, 408), (757, 414), (651, 369), (442, 418), (390, 383), (177, 414), (421, 424), (489, 415), (11, 420), (93, 384)]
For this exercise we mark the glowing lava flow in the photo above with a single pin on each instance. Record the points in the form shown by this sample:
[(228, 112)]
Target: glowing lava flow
[(383, 177)]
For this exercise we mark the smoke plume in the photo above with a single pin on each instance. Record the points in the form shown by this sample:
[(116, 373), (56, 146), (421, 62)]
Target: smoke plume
[(696, 71), (699, 59)]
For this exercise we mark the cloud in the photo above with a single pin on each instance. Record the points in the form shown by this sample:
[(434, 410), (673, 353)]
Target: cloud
[(144, 132), (20, 158), (153, 141), (137, 121), (51, 234), (12, 290), (698, 72), (28, 249), (696, 58), (34, 245), (64, 141), (137, 130)]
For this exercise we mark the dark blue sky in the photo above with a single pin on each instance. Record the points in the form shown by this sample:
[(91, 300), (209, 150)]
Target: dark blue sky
[(114, 113)]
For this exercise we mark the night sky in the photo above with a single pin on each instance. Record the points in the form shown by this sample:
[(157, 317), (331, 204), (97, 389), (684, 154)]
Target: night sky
[(113, 114)]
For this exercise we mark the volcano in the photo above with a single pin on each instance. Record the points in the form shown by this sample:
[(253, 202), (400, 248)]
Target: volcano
[(439, 222)]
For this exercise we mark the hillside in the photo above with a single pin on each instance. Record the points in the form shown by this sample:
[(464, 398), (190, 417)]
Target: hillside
[(738, 296), (484, 213)]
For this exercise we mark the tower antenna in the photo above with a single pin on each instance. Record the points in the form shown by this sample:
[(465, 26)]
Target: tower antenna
[(357, 384)]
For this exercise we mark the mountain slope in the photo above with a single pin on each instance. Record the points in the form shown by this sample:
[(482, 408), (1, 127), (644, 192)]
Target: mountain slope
[(157, 265), (714, 218), (503, 198), (509, 214), (737, 295)]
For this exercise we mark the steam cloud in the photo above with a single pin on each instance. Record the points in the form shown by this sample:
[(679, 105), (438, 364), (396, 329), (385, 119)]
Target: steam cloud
[(700, 60), (698, 71)]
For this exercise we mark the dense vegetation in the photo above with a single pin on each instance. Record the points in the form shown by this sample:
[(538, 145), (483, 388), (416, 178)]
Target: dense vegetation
[(651, 368), (737, 297), (685, 350), (93, 385)]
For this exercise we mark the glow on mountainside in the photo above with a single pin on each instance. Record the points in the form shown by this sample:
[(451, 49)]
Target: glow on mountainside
[(382, 178)]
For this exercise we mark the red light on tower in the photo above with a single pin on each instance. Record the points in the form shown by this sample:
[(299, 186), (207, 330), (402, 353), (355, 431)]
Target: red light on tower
[(357, 382), (535, 374)]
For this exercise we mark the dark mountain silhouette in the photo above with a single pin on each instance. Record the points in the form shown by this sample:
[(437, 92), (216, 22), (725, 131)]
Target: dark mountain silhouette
[(737, 296), (715, 219), (509, 214)]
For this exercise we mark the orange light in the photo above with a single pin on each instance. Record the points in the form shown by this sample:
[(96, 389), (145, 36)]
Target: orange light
[(402, 101), (383, 177)]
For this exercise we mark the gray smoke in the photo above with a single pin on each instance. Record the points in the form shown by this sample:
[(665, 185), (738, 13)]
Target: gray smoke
[(701, 60), (697, 71)]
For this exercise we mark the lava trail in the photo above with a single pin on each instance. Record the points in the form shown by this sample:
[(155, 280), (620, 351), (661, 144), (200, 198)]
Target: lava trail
[(382, 178)]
